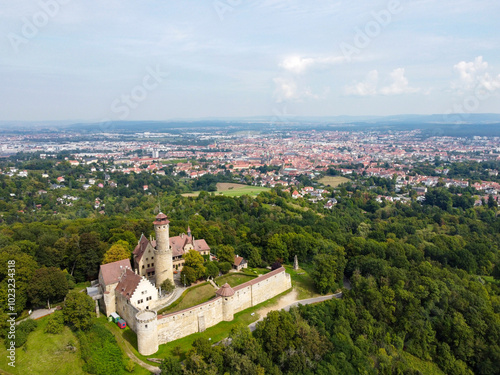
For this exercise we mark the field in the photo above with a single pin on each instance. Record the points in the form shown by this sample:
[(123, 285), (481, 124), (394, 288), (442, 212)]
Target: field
[(191, 297), (233, 190), (333, 181), (233, 279), (45, 354)]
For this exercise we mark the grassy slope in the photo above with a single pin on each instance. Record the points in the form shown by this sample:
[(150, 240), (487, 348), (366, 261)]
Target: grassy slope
[(191, 297), (302, 283), (45, 354), (233, 279)]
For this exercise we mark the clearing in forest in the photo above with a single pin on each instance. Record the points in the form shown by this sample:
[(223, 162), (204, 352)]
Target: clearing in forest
[(333, 181)]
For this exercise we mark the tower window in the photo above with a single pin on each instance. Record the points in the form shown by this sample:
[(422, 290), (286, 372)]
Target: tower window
[(146, 326)]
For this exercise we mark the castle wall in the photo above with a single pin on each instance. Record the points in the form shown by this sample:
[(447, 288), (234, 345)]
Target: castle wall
[(270, 287), (126, 311), (242, 299), (185, 322), (196, 319), (108, 303)]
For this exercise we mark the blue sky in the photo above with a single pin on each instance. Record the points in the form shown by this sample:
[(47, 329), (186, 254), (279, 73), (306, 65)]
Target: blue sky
[(166, 59)]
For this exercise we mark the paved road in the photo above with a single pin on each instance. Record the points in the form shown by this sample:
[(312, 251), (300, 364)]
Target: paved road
[(301, 302), (37, 314)]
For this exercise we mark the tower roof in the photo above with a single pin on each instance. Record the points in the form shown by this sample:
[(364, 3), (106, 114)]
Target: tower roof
[(225, 291), (161, 218)]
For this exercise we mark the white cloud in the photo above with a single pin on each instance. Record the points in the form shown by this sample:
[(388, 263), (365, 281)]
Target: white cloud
[(286, 89), (366, 87), (474, 74), (468, 72), (298, 64), (399, 84), (369, 86)]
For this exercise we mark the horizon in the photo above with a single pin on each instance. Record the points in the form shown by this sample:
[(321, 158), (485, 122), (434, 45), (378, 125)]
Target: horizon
[(269, 58)]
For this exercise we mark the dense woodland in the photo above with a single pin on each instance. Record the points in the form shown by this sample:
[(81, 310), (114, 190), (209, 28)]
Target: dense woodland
[(422, 275)]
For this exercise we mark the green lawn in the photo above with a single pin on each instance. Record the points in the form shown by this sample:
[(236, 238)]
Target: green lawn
[(233, 190), (191, 297), (174, 161), (45, 354), (302, 282), (233, 279), (333, 181)]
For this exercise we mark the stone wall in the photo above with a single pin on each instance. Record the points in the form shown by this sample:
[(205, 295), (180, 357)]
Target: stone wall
[(185, 322), (198, 318), (126, 311)]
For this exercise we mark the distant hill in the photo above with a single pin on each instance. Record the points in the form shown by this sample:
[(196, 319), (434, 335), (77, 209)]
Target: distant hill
[(466, 125)]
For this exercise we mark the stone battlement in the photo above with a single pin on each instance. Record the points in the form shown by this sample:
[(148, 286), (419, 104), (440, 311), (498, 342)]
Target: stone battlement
[(145, 316)]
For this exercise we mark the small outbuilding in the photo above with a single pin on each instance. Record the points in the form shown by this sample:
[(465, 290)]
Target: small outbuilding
[(239, 263), (114, 317)]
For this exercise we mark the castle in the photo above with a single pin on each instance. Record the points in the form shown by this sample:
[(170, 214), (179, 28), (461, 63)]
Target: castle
[(134, 294)]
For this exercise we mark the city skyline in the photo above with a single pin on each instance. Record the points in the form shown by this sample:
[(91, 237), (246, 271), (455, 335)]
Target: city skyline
[(122, 61)]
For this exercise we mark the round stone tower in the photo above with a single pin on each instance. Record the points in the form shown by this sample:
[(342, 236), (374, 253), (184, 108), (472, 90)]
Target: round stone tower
[(227, 293), (147, 334), (163, 253)]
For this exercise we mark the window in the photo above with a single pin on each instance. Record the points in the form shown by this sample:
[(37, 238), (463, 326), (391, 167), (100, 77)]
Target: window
[(152, 258), (146, 326), (143, 266), (152, 264)]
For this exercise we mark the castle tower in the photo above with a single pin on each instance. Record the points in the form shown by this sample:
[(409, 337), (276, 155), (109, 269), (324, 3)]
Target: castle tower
[(147, 335), (227, 293), (163, 253)]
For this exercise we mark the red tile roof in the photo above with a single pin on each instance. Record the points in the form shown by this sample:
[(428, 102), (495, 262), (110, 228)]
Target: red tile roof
[(225, 291), (237, 260), (128, 283), (161, 218), (111, 272), (141, 247)]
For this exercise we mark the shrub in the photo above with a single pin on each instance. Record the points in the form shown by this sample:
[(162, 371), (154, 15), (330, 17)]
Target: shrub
[(22, 332), (55, 323), (224, 267), (130, 366), (100, 351), (167, 286)]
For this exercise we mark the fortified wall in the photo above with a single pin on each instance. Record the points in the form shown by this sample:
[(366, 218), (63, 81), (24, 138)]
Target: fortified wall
[(154, 330)]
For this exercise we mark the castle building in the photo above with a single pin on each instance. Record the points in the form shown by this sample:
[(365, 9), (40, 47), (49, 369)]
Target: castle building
[(120, 285), (154, 262), (149, 252), (133, 296)]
